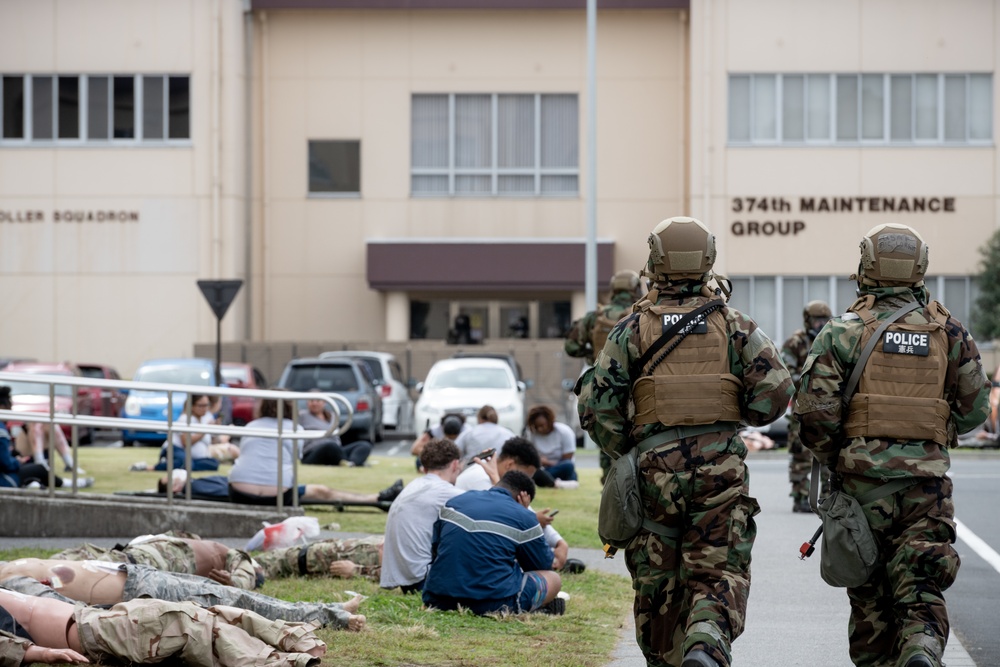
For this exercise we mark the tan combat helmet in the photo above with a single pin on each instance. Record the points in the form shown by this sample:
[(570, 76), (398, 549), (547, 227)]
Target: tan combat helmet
[(680, 247), (816, 313), (625, 281), (892, 254)]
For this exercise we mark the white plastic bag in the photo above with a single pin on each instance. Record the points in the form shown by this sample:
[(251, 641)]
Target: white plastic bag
[(293, 530)]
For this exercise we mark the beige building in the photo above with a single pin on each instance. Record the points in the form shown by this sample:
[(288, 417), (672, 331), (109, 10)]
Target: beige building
[(392, 174)]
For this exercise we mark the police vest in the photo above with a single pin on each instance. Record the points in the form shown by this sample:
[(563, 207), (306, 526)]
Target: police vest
[(603, 324), (692, 385), (901, 391)]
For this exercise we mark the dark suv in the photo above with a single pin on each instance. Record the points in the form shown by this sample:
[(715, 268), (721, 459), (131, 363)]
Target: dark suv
[(348, 377)]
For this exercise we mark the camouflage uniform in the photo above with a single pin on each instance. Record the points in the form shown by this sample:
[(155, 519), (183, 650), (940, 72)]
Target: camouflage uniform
[(145, 582), (794, 353), (148, 631), (900, 611), (167, 553), (579, 343), (692, 593), (153, 630), (317, 557)]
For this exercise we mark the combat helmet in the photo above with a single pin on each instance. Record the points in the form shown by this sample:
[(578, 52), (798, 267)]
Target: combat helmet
[(815, 315), (892, 254), (625, 281), (680, 247)]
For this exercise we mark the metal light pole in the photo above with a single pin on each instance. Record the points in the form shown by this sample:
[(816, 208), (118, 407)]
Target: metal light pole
[(590, 254)]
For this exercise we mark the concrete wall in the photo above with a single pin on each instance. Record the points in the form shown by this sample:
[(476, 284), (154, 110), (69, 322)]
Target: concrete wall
[(855, 36)]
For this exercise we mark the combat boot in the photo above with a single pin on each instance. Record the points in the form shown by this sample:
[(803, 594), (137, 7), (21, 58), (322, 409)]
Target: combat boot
[(698, 658), (919, 660), (800, 505)]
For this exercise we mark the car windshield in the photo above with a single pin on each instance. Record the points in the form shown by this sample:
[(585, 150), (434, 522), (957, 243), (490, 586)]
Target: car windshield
[(197, 375), (92, 372), (374, 366), (36, 389), (323, 377), (470, 378)]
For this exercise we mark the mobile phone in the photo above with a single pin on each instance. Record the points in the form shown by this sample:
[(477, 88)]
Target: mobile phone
[(553, 513), (482, 456)]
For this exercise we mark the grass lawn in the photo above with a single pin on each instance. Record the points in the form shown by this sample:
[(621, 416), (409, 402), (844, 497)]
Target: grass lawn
[(400, 632)]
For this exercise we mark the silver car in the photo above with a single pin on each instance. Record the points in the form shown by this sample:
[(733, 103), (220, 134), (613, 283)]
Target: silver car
[(397, 406)]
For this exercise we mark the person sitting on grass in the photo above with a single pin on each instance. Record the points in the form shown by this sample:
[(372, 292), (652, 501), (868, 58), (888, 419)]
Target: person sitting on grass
[(490, 553), (253, 478), (519, 454), (329, 451), (16, 471), (410, 526), (146, 631)]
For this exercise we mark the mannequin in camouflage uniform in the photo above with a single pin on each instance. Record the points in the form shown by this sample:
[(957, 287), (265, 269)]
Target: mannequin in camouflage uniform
[(99, 582), (588, 334), (692, 576), (185, 553), (794, 353), (53, 629), (343, 558), (922, 385)]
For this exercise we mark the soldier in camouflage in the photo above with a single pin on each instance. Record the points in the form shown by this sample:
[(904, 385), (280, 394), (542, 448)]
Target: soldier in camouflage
[(342, 558), (794, 352), (692, 576), (588, 334), (922, 385), (185, 553)]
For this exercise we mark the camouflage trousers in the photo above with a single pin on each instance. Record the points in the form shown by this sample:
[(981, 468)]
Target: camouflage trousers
[(166, 556), (800, 463), (169, 555), (693, 590), (901, 609), (319, 556), (146, 582), (148, 631)]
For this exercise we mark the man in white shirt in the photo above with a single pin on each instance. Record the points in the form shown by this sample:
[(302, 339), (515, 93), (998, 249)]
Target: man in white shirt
[(486, 434), (406, 554)]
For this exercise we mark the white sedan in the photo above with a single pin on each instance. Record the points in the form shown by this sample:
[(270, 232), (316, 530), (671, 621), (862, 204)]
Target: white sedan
[(465, 385)]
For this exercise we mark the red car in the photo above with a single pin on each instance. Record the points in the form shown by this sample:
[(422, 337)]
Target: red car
[(104, 402), (242, 376), (31, 396)]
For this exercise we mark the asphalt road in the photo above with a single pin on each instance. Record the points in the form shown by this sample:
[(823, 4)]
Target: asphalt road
[(795, 592)]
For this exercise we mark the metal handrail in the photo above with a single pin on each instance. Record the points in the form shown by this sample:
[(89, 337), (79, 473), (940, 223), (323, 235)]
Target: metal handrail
[(169, 426)]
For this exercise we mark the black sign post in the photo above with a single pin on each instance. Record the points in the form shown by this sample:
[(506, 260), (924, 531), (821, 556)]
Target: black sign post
[(219, 294)]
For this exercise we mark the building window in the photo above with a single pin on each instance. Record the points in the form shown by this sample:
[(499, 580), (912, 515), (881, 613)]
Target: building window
[(776, 302), (334, 167), (861, 109), (70, 109), (492, 145)]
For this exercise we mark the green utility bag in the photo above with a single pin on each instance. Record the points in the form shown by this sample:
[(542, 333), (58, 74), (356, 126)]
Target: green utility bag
[(621, 514), (849, 554)]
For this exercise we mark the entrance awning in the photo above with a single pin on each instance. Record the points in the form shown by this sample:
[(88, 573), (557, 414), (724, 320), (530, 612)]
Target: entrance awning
[(483, 264)]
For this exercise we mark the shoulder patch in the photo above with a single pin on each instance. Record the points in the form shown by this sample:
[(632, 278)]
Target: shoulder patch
[(846, 317)]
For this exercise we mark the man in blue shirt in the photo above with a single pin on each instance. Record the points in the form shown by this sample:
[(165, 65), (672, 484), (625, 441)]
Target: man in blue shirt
[(490, 554)]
